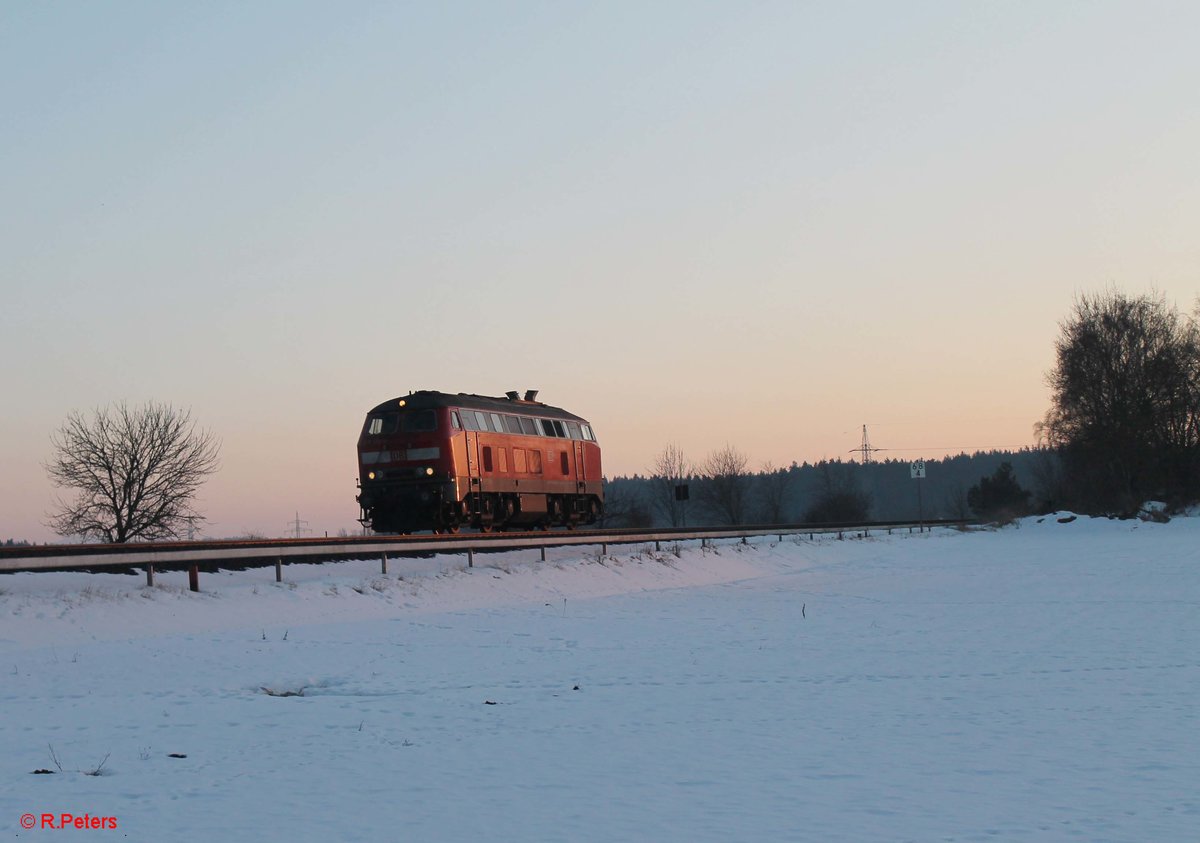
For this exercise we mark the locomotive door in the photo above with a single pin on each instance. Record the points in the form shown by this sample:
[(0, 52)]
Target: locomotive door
[(473, 499), (580, 470), (473, 458)]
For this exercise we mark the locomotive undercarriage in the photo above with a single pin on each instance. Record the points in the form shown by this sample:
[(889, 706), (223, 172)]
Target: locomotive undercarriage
[(408, 508)]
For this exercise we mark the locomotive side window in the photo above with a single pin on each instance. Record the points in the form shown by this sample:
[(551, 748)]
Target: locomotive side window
[(519, 464), (481, 420), (587, 433), (535, 462), (562, 460), (512, 424), (487, 458), (385, 423), (528, 427), (455, 422), (559, 430), (573, 429), (497, 424), (468, 420)]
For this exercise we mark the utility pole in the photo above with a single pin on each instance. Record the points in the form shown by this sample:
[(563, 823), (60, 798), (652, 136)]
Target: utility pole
[(865, 450), (297, 527)]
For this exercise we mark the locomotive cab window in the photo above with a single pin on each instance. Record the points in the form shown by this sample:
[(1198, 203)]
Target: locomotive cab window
[(455, 422), (385, 423), (528, 427), (418, 421)]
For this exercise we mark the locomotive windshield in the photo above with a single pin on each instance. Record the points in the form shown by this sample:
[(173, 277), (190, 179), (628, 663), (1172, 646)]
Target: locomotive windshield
[(415, 421)]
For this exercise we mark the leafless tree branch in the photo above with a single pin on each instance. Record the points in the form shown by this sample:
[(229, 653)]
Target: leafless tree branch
[(134, 472)]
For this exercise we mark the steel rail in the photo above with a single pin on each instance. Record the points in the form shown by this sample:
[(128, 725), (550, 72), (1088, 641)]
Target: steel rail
[(265, 551)]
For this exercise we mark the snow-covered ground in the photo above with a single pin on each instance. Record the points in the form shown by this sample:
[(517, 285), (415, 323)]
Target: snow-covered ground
[(1038, 683)]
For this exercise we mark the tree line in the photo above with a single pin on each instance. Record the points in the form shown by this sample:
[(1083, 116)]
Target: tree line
[(723, 490)]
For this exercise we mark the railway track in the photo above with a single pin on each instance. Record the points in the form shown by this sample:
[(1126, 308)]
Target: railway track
[(212, 555)]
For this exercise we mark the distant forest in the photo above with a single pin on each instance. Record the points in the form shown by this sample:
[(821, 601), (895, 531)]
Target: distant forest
[(793, 495)]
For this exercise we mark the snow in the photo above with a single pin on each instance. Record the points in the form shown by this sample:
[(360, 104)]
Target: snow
[(1031, 683)]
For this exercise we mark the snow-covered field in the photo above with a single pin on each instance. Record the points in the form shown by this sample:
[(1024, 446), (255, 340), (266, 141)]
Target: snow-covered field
[(1038, 683)]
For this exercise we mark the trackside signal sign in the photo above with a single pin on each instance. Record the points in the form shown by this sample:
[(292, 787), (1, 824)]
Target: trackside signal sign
[(917, 469)]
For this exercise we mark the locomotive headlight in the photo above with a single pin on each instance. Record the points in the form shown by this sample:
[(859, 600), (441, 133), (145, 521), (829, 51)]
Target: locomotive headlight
[(429, 472), (370, 475)]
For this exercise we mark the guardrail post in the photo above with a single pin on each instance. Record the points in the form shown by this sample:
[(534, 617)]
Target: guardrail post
[(383, 561), (470, 557), (604, 548), (543, 549), (278, 569), (657, 546), (150, 576), (194, 578)]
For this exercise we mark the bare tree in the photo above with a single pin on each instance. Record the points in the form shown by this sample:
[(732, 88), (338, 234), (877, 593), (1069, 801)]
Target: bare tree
[(774, 486), (724, 490), (623, 505), (955, 503), (134, 472), (1125, 415), (669, 471), (840, 498)]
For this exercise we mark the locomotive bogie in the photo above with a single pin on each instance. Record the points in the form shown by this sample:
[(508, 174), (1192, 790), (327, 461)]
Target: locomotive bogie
[(436, 461)]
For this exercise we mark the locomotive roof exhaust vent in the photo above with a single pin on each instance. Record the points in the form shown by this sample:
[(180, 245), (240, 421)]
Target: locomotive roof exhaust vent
[(512, 395), (531, 394)]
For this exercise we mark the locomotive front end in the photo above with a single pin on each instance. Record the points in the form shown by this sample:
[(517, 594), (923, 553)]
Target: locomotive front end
[(406, 475)]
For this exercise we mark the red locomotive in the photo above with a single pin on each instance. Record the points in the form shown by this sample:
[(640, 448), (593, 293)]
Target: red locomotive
[(436, 461)]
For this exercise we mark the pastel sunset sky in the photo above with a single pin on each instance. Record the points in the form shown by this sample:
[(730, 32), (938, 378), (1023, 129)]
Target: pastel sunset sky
[(707, 223)]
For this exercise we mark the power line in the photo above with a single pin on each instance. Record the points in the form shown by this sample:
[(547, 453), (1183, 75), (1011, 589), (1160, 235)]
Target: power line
[(962, 448)]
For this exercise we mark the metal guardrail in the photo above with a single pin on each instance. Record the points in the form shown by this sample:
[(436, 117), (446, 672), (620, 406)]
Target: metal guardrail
[(278, 551)]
